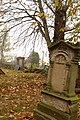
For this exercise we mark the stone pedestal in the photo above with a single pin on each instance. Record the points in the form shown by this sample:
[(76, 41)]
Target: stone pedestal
[(59, 101)]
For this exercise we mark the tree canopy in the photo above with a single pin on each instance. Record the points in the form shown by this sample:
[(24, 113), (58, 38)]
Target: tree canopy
[(33, 59), (51, 20)]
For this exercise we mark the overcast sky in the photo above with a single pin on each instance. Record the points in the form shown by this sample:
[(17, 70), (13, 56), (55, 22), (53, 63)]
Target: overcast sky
[(24, 51)]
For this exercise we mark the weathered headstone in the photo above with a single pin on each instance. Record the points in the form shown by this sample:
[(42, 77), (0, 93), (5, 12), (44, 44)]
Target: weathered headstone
[(78, 81), (59, 101), (20, 62)]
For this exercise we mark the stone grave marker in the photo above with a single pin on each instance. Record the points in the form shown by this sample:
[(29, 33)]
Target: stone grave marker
[(59, 100), (20, 62), (78, 81)]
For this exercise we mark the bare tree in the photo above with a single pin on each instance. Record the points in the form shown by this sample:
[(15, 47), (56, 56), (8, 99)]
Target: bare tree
[(4, 43), (51, 20)]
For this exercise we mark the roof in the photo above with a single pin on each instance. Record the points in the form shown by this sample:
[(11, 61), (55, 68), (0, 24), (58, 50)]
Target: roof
[(20, 58), (71, 45)]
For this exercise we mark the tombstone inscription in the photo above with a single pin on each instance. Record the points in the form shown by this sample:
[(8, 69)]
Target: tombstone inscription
[(59, 100)]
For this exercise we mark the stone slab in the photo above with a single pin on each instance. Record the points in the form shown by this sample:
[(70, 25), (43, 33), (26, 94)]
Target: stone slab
[(45, 112)]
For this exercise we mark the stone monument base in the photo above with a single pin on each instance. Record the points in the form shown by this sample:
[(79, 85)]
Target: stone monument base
[(67, 109)]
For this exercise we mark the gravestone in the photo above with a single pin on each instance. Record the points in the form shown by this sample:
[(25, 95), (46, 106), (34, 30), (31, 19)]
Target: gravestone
[(78, 81), (1, 72), (59, 100), (20, 62)]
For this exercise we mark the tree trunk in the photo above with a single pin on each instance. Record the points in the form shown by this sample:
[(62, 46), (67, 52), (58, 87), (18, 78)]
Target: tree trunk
[(60, 22), (2, 54)]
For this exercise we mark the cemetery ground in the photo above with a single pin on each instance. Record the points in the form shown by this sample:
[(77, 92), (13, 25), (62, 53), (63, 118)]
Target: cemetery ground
[(19, 94)]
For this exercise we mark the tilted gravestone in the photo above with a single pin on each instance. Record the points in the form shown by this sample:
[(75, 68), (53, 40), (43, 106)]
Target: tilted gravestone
[(1, 72), (59, 101)]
